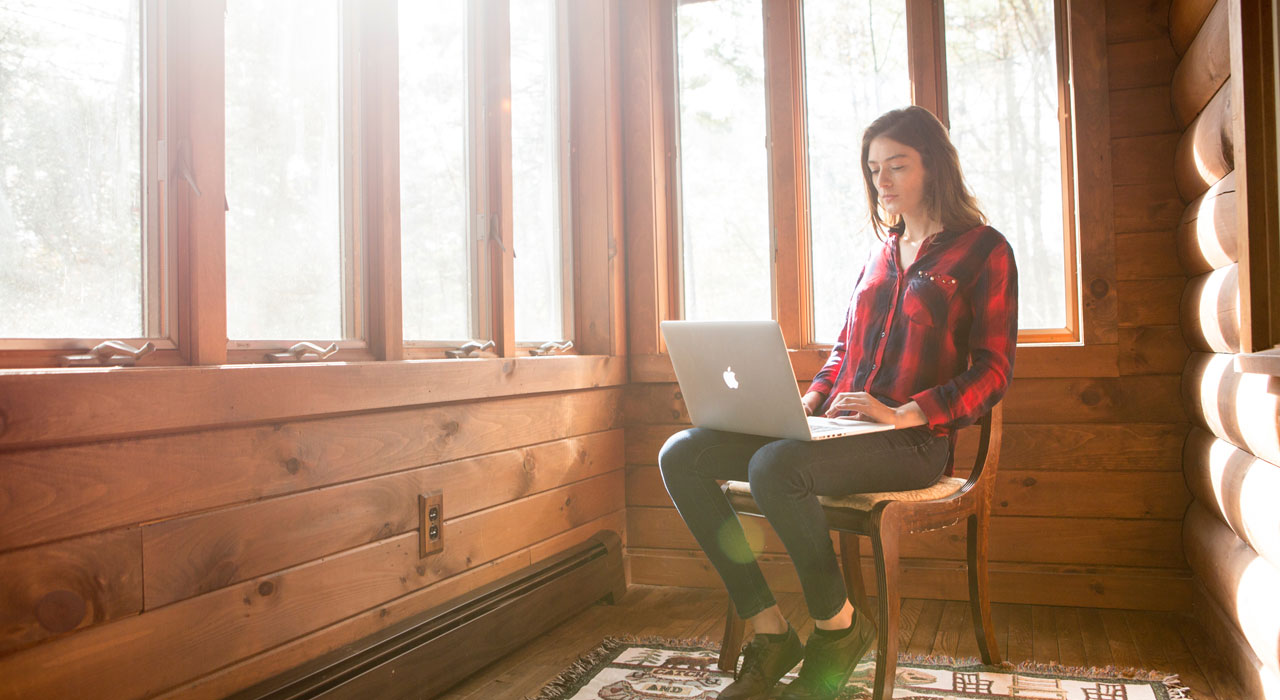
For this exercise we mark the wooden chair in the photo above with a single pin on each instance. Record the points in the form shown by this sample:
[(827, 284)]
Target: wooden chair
[(884, 517)]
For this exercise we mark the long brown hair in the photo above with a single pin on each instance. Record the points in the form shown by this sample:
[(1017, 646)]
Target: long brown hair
[(945, 193)]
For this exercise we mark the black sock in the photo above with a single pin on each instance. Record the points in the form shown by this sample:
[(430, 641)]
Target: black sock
[(832, 634), (776, 637)]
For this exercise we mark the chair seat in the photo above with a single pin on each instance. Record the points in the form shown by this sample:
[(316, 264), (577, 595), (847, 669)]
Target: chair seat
[(944, 487)]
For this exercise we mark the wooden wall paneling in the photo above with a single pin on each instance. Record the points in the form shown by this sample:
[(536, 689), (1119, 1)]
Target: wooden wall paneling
[(1146, 256), (1233, 405), (1211, 311), (1141, 111), (1203, 68), (645, 141), (1045, 540), (195, 45), (1038, 584), (1135, 64), (57, 407), (1132, 21), (180, 642), (60, 492), (1236, 487), (1239, 581), (1143, 159), (1254, 37), (926, 61), (1205, 151), (70, 585), (327, 639), (1185, 19), (494, 22), (1091, 171), (1157, 495), (1208, 232), (596, 177), (1150, 302), (379, 170), (204, 552), (1152, 206), (1055, 447), (1152, 350)]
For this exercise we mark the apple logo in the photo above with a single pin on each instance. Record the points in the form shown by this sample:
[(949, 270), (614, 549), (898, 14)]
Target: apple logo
[(729, 379)]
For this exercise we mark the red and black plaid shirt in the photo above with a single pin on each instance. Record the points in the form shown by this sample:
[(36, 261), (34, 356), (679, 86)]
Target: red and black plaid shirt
[(941, 333)]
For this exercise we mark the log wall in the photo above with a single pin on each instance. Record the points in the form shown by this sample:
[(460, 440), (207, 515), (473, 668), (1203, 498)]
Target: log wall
[(1230, 459), (1103, 420)]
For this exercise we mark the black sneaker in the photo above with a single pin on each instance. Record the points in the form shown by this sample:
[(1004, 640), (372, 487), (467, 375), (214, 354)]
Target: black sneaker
[(828, 663), (764, 662)]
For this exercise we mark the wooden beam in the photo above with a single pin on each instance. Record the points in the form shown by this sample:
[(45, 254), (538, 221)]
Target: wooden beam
[(1185, 20), (927, 57), (1208, 235), (1204, 68), (1239, 489), (1211, 311), (1206, 150), (1233, 405)]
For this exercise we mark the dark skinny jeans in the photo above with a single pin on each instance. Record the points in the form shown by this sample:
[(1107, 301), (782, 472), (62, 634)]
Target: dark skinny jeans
[(786, 478)]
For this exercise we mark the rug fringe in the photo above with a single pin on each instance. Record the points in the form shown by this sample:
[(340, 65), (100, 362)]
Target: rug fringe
[(572, 675)]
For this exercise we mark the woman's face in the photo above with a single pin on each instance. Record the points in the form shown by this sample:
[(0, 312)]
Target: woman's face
[(898, 174)]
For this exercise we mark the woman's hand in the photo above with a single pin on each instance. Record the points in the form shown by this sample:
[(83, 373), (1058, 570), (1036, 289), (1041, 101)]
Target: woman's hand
[(812, 402), (868, 407)]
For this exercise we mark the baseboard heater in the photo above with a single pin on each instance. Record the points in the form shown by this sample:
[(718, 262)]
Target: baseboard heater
[(426, 655)]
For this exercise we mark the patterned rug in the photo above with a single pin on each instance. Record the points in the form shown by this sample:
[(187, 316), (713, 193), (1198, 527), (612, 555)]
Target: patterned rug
[(657, 669)]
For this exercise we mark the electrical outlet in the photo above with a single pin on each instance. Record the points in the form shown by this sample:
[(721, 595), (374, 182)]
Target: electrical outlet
[(430, 523)]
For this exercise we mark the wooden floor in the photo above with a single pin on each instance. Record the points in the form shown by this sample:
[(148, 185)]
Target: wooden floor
[(1068, 636)]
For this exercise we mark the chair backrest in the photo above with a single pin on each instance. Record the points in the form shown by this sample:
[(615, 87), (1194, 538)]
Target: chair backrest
[(984, 464)]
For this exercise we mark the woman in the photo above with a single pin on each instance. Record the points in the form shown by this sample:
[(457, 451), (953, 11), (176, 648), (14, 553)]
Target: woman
[(927, 345)]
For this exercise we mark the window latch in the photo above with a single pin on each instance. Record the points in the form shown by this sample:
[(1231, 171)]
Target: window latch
[(551, 347), (303, 352), (112, 353), (469, 349)]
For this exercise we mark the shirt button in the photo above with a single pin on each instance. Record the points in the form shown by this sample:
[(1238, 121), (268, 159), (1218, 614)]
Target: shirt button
[(873, 365), (881, 334)]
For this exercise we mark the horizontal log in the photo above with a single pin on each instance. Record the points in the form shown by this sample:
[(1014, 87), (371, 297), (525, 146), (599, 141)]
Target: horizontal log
[(1142, 63), (60, 492), (1205, 152), (1211, 311), (180, 642), (1149, 302), (1046, 540), (1132, 21), (1021, 583), (1143, 159), (1185, 19), (1142, 111), (1146, 256), (1082, 447), (65, 405), (1241, 582), (1152, 350), (1157, 495), (1245, 676), (1208, 235), (1233, 405), (70, 585), (1145, 399), (1204, 67), (1238, 488), (1152, 206), (279, 659), (196, 554)]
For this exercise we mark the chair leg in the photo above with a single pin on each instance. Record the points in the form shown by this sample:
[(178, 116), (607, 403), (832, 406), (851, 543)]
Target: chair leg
[(884, 540), (851, 565), (979, 590), (734, 628)]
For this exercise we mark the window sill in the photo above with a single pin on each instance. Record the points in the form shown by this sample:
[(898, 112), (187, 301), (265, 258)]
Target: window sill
[(1265, 362)]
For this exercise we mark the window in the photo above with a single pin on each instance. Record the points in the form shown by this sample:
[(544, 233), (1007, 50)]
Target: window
[(80, 252), (290, 260), (997, 63)]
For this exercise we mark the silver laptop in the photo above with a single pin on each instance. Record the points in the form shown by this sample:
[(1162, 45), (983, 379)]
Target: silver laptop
[(736, 376)]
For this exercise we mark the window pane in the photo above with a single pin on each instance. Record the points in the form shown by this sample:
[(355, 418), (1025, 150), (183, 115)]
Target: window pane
[(1002, 75), (435, 254), (535, 171), (284, 190), (70, 170), (855, 62), (724, 176)]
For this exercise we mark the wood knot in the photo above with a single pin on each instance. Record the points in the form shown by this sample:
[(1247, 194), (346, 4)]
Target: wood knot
[(1099, 288), (508, 367), (450, 428), (1029, 481), (421, 569), (60, 611), (266, 588), (530, 463), (1091, 396), (293, 465)]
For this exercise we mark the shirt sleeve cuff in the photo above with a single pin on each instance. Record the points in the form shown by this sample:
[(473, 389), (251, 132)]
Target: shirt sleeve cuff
[(820, 386), (936, 411)]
